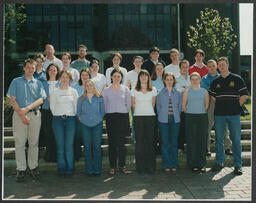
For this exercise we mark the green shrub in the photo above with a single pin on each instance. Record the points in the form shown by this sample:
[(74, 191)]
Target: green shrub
[(8, 111)]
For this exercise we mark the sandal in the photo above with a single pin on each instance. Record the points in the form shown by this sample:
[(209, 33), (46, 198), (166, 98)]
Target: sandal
[(195, 169), (174, 169), (124, 170), (167, 170), (112, 171), (203, 170)]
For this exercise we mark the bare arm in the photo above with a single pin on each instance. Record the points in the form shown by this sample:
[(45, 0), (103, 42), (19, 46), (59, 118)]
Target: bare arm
[(184, 101), (154, 101), (133, 102), (242, 99), (213, 99), (206, 100)]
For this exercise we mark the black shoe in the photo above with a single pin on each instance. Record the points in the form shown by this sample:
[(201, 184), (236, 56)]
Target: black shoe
[(238, 170), (61, 175), (20, 177), (228, 152), (35, 174), (217, 167)]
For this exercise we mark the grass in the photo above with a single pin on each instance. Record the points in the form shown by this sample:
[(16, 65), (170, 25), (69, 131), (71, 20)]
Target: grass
[(247, 117)]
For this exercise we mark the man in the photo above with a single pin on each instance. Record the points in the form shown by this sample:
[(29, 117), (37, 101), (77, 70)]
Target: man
[(153, 59), (81, 62), (182, 83), (199, 65), (206, 81), (228, 92), (26, 95), (174, 66), (50, 58), (132, 77)]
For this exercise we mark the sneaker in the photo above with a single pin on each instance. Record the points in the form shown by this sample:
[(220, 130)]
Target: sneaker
[(217, 167), (228, 152), (35, 174), (20, 177), (238, 170), (208, 154)]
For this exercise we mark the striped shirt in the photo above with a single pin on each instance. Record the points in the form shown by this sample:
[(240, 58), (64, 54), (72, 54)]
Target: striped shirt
[(227, 92), (170, 109)]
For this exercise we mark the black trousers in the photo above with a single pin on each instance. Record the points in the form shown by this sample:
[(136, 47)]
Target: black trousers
[(196, 136), (117, 129), (182, 133), (144, 149), (51, 150)]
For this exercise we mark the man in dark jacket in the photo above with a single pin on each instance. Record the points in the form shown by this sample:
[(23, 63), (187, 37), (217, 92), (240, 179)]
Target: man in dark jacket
[(149, 64)]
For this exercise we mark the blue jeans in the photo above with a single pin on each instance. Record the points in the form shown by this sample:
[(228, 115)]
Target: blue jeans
[(91, 137), (234, 127), (169, 142), (64, 131)]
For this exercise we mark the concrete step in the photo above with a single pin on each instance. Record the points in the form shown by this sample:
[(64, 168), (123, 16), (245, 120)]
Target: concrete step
[(10, 165), (246, 135), (246, 124), (9, 153)]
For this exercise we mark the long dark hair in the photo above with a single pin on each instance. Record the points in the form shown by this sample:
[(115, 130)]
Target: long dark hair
[(81, 71), (58, 71), (138, 85), (154, 76)]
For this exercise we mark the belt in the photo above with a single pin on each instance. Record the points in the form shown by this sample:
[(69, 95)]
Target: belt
[(64, 116), (33, 110)]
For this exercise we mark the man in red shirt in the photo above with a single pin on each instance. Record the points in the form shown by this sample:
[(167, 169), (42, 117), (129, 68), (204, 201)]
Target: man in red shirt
[(199, 65)]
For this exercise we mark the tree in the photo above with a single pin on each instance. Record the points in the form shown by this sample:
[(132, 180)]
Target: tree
[(213, 34)]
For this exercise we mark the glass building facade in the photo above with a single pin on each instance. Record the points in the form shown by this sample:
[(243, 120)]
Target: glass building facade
[(101, 27)]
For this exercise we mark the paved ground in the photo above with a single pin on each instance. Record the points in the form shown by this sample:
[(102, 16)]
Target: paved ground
[(182, 185)]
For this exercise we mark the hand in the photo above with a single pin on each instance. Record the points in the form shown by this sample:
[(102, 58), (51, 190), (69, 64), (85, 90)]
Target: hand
[(25, 119), (22, 111)]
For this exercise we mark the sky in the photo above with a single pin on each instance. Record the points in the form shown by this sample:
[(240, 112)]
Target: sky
[(246, 28)]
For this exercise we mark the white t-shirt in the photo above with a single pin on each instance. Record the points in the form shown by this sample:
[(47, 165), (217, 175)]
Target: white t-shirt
[(75, 76), (57, 61), (174, 69), (100, 81), (143, 102), (133, 77), (52, 85), (108, 75), (63, 102)]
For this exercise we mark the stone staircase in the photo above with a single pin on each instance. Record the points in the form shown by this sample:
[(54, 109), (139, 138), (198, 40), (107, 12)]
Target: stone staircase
[(10, 165)]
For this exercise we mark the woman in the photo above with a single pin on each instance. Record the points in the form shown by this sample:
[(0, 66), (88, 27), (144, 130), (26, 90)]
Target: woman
[(52, 75), (79, 87), (117, 101), (64, 107), (195, 104), (66, 60), (90, 112), (39, 73), (168, 104), (116, 60), (98, 78), (143, 103), (157, 75)]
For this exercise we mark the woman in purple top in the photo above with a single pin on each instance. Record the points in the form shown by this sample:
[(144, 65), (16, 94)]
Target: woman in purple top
[(90, 112), (117, 101)]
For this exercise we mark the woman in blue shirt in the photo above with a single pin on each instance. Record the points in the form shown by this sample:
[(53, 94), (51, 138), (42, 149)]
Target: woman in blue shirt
[(195, 104), (157, 76), (85, 74), (90, 112), (168, 104)]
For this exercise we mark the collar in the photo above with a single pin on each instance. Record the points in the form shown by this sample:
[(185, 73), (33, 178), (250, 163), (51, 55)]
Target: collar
[(199, 66), (33, 79)]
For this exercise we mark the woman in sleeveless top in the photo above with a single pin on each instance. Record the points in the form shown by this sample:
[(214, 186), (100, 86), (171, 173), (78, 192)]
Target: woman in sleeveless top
[(195, 104)]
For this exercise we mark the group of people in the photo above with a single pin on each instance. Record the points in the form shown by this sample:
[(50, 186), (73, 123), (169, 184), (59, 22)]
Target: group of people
[(69, 101)]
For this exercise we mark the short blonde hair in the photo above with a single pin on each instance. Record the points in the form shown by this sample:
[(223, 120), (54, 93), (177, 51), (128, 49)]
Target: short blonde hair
[(195, 74)]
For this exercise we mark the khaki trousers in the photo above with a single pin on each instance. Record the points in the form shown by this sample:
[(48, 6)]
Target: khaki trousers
[(227, 141), (22, 133)]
